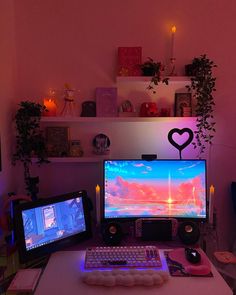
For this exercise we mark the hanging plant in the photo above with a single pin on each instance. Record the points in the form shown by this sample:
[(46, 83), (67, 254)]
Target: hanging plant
[(29, 141), (153, 69), (202, 86)]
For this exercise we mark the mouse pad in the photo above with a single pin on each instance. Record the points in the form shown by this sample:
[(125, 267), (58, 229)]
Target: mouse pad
[(179, 266)]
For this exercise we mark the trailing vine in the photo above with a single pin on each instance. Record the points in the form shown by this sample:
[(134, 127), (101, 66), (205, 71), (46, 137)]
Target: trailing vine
[(30, 141), (202, 87), (153, 69)]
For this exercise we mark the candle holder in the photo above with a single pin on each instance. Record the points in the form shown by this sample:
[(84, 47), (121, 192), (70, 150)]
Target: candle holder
[(172, 68), (51, 107)]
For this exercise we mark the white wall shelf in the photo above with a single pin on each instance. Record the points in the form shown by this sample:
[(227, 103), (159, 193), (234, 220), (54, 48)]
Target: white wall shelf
[(86, 159), (172, 79), (113, 119)]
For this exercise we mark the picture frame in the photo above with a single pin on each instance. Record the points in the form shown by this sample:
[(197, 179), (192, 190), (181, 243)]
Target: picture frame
[(57, 141), (183, 104), (76, 148)]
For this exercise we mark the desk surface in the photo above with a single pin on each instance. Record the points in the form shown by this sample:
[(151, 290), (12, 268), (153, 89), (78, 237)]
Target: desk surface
[(62, 276)]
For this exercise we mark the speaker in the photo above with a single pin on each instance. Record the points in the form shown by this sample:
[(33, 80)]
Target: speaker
[(188, 232), (112, 233)]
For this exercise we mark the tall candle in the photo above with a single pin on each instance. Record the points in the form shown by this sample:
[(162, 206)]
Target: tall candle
[(51, 107), (98, 217), (211, 203), (173, 31)]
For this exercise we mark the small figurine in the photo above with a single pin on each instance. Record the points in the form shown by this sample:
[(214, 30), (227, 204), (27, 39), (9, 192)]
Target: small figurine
[(69, 104), (101, 144), (127, 106)]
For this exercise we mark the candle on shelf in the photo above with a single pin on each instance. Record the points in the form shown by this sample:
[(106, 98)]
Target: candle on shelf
[(98, 217), (51, 107), (173, 31), (211, 203)]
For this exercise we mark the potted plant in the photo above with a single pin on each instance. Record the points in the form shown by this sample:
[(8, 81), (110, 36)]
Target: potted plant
[(153, 69), (30, 141), (202, 87)]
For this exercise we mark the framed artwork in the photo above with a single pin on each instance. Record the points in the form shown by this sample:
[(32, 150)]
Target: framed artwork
[(57, 141), (183, 104), (75, 148), (106, 102), (129, 60)]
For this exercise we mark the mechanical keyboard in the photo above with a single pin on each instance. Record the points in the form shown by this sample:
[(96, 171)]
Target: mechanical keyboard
[(130, 256)]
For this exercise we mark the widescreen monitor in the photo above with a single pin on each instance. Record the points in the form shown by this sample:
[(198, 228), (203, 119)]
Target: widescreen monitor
[(158, 188), (47, 225)]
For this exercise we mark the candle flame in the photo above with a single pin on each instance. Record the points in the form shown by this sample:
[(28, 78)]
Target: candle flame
[(212, 189), (173, 29), (97, 188)]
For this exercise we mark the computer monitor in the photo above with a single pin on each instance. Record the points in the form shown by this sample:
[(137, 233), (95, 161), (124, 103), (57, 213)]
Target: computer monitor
[(157, 188), (50, 224)]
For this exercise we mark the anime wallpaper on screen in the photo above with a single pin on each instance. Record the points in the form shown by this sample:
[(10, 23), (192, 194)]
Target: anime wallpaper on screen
[(46, 224), (159, 188)]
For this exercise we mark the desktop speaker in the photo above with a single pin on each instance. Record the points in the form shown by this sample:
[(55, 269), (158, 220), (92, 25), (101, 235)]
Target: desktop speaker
[(188, 232), (112, 233)]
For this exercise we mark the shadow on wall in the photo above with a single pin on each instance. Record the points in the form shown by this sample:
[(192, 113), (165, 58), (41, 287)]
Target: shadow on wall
[(226, 216)]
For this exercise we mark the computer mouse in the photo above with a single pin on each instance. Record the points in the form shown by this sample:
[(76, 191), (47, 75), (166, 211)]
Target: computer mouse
[(192, 255)]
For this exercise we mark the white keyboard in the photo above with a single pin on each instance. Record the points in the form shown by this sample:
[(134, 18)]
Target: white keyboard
[(131, 256)]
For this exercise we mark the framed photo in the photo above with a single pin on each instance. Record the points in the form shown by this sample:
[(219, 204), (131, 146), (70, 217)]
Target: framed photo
[(57, 141), (183, 104), (106, 102), (75, 148)]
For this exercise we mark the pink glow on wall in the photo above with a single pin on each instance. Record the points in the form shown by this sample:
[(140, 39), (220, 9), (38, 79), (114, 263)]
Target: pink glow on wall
[(57, 41)]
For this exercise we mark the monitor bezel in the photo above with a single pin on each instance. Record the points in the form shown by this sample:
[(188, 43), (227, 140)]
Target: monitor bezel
[(133, 218), (26, 256)]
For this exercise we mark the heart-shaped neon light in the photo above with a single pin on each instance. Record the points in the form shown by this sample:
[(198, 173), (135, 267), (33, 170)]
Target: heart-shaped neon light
[(180, 132)]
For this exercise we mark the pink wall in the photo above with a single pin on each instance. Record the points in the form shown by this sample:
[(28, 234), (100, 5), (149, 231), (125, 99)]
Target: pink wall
[(7, 87), (73, 41)]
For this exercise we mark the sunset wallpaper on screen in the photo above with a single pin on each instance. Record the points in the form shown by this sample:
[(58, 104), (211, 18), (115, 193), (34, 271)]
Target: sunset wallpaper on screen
[(159, 188)]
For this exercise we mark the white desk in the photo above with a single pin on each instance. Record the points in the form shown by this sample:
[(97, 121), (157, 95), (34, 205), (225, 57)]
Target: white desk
[(62, 276)]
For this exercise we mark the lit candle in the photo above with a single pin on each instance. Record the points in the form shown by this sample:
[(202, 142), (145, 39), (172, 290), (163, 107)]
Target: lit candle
[(211, 204), (173, 31), (98, 217), (51, 107)]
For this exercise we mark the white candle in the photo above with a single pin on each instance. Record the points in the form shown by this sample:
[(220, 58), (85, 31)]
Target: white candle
[(98, 217), (211, 203), (173, 30)]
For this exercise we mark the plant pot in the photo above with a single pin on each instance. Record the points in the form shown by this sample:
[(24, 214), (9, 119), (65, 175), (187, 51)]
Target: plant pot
[(148, 72)]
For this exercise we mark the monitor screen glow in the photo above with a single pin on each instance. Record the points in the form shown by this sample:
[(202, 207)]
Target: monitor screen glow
[(50, 224), (158, 188), (46, 224)]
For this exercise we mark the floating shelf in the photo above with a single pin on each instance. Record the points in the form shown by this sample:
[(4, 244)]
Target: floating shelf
[(113, 119), (89, 159), (172, 79)]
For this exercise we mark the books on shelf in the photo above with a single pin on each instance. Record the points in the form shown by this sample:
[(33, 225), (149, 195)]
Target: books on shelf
[(106, 102), (129, 60), (25, 280)]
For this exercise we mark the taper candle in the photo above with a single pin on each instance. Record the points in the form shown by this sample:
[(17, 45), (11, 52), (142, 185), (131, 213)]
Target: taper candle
[(98, 217), (173, 31), (211, 203)]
